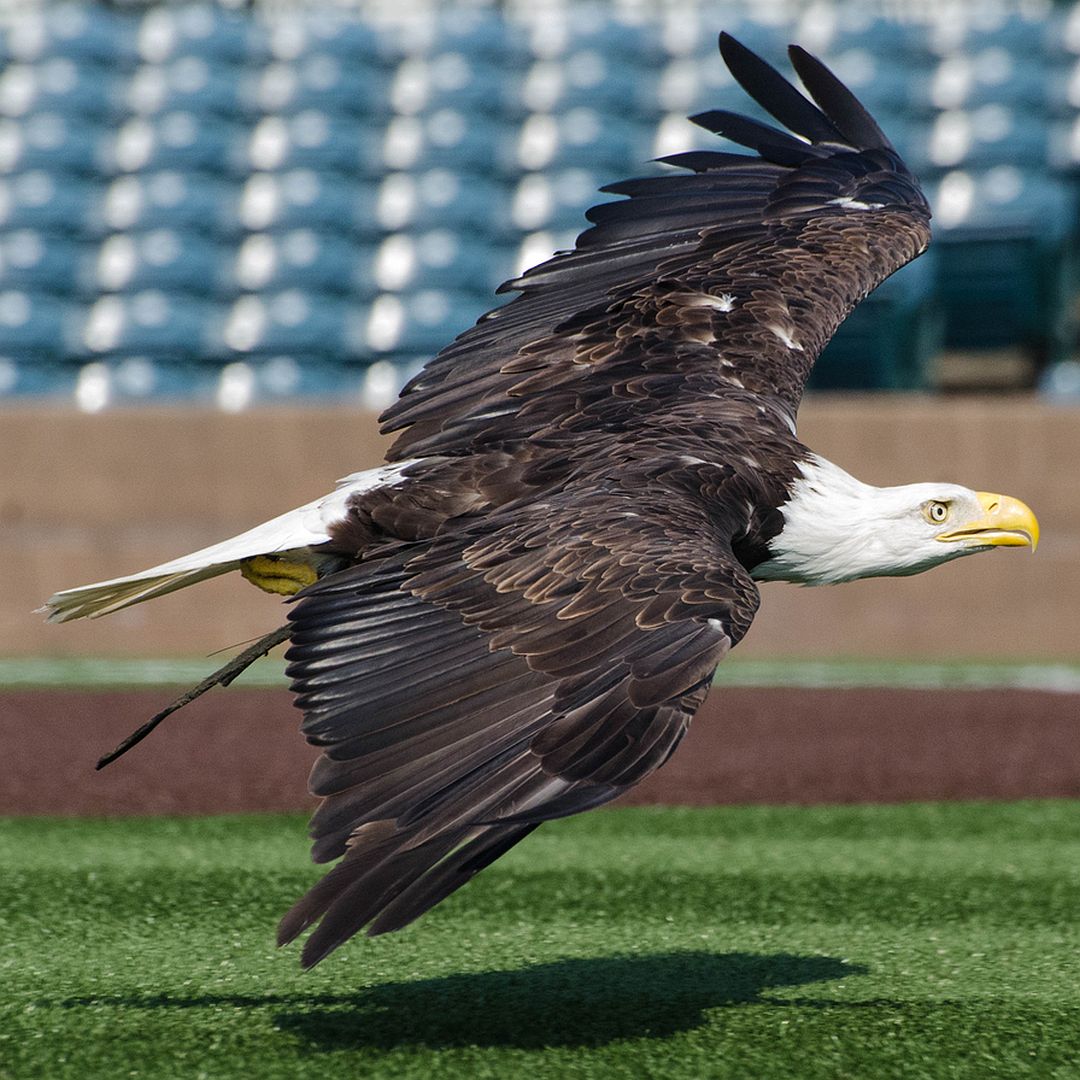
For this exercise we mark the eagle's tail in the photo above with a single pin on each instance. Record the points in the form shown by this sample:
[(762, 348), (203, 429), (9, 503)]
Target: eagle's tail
[(284, 543), (104, 597), (276, 555)]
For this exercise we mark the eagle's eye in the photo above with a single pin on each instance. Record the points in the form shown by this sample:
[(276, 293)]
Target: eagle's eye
[(936, 512)]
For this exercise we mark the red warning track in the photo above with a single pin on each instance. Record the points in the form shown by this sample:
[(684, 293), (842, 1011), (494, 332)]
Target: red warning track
[(239, 750)]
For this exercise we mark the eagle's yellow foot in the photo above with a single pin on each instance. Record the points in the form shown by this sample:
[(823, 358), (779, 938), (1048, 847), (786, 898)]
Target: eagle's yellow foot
[(277, 575)]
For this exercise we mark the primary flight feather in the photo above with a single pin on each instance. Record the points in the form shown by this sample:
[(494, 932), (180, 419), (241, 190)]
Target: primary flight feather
[(516, 618)]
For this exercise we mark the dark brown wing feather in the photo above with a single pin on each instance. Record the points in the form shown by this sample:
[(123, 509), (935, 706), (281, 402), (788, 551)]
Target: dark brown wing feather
[(533, 665), (790, 240)]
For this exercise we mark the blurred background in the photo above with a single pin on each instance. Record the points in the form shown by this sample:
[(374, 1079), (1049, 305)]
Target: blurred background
[(229, 232)]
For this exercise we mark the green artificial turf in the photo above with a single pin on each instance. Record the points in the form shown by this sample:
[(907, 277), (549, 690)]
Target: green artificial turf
[(866, 942), (950, 674)]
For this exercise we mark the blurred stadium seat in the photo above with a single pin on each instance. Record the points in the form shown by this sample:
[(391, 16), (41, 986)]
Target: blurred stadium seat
[(36, 262), (318, 81), (307, 199), (419, 323), (35, 325), (89, 34), (58, 84), (1006, 249), (181, 140), (166, 31), (590, 79), (165, 199), (54, 203), (49, 141), (165, 259), (290, 321), (193, 84), (297, 259), (237, 205), (151, 322), (449, 80)]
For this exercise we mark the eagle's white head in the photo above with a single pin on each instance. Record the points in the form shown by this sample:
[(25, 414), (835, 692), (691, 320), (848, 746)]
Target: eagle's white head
[(837, 528)]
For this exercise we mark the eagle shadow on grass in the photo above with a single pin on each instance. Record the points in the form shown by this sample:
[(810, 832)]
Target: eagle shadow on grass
[(586, 1002), (573, 1002)]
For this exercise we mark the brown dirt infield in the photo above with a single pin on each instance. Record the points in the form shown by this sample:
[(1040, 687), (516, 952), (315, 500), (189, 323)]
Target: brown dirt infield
[(239, 750)]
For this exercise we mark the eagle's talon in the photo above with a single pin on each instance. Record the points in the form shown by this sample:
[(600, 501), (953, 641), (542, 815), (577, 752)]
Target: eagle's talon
[(274, 574)]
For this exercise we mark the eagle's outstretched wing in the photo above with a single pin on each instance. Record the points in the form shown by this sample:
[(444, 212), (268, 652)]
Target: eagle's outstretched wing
[(744, 267), (534, 665)]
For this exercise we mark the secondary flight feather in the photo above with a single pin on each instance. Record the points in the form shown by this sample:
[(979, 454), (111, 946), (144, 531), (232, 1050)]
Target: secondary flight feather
[(516, 618)]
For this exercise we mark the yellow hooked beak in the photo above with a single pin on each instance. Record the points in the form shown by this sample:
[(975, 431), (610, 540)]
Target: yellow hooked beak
[(1006, 522)]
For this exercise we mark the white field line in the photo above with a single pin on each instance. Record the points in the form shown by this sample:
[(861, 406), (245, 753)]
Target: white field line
[(1060, 678), (904, 675)]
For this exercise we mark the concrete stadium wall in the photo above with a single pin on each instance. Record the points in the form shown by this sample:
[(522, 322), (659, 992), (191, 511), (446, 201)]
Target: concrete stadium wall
[(84, 498)]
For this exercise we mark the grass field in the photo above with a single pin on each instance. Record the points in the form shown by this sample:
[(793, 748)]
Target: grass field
[(865, 942), (953, 674)]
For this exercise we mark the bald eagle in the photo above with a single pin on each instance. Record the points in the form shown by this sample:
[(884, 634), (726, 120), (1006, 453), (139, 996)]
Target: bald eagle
[(515, 618)]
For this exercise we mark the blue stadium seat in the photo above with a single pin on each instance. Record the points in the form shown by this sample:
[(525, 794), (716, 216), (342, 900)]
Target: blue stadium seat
[(441, 197), (418, 323), (586, 78), (88, 33), (293, 321), (57, 84), (308, 199), (150, 323), (581, 138), (318, 262), (438, 259), (479, 33), (50, 141), (449, 80), (258, 380), (556, 199), (991, 76), (1064, 37), (1063, 90), (904, 43), (186, 84), (981, 138), (167, 259), (124, 380), (181, 140), (292, 33), (46, 201), (35, 324), (203, 29), (317, 81), (1007, 260), (592, 26), (36, 262), (35, 378), (1064, 152), (316, 140), (167, 199), (969, 28), (444, 138)]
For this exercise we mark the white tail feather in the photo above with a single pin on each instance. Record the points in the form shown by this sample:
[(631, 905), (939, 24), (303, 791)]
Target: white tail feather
[(297, 531)]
